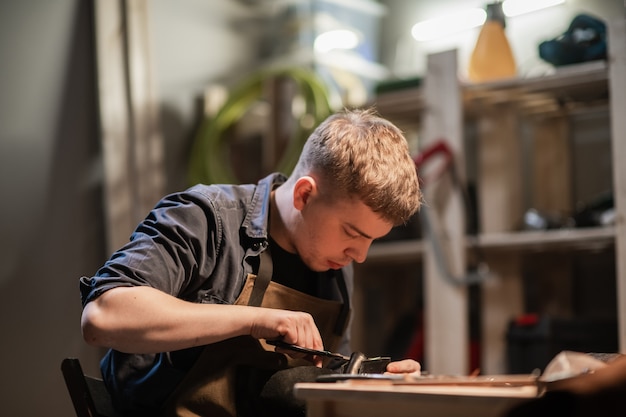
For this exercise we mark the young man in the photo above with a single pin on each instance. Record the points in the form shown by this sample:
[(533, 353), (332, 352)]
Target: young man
[(211, 273)]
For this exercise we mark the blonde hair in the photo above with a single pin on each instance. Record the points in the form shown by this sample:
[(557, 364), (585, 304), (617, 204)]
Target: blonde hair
[(359, 154)]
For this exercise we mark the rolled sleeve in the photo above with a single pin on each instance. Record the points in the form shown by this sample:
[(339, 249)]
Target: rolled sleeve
[(170, 248)]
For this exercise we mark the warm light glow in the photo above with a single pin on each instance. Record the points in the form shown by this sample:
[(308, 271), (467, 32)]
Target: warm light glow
[(448, 25), (336, 39), (517, 7), (457, 22)]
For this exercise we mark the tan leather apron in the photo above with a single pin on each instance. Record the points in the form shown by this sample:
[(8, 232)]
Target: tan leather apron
[(208, 389)]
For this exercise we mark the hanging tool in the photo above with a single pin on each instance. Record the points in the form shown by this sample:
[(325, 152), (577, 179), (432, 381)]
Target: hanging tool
[(442, 149)]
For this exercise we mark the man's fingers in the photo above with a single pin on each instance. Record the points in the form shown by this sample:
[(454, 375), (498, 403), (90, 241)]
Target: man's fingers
[(406, 366)]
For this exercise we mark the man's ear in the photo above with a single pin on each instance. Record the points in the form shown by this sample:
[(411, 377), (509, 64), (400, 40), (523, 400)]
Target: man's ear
[(303, 190)]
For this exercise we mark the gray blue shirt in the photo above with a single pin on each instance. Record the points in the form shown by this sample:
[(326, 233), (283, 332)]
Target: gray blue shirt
[(198, 245)]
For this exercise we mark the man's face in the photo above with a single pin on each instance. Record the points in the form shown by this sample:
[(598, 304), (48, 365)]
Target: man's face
[(330, 235)]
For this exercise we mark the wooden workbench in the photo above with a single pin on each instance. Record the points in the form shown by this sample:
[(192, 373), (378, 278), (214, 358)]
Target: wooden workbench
[(385, 398)]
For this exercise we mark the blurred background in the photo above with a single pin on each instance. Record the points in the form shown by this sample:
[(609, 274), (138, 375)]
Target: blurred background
[(64, 104)]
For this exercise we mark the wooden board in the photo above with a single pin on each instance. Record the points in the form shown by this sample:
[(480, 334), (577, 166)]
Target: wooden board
[(446, 325), (129, 129), (375, 400), (617, 72)]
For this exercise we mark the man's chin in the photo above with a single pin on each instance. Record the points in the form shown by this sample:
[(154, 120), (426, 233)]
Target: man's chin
[(318, 267), (324, 266)]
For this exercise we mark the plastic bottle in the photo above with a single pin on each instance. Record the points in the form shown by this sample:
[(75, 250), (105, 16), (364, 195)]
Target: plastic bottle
[(492, 57)]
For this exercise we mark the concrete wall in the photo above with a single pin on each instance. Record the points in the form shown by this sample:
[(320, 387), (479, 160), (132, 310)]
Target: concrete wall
[(50, 211), (51, 221)]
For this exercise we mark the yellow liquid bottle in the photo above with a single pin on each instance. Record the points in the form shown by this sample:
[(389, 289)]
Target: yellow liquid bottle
[(492, 58)]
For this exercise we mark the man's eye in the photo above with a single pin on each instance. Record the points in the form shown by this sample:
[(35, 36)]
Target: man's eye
[(351, 234)]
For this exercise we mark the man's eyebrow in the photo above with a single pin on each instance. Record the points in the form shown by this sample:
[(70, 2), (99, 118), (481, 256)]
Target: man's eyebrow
[(356, 229)]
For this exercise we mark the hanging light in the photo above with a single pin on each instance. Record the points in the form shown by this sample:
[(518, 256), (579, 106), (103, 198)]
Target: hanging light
[(444, 26), (336, 39), (517, 7)]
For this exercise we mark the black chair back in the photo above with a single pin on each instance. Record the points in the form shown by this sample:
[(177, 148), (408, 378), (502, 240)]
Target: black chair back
[(89, 395)]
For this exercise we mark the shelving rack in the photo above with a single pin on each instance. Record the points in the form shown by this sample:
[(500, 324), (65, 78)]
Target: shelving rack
[(440, 106)]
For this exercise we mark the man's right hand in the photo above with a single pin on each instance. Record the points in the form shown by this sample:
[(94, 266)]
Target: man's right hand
[(292, 327)]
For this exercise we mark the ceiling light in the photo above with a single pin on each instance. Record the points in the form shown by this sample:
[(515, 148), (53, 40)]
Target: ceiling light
[(517, 7), (448, 25), (336, 39), (460, 21)]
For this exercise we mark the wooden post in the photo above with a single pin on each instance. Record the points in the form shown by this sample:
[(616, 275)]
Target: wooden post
[(500, 207), (146, 136), (131, 143), (114, 121), (617, 85), (446, 311)]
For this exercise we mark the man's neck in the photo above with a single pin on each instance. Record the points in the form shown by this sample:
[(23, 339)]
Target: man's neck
[(277, 227)]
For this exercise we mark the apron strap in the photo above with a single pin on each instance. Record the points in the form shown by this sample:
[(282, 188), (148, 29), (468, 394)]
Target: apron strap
[(263, 278), (345, 307)]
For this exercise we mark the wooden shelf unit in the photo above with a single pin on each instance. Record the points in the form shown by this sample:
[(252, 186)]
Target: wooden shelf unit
[(591, 238), (439, 107)]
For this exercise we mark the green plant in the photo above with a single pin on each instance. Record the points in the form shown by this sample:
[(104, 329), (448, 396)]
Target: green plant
[(209, 155)]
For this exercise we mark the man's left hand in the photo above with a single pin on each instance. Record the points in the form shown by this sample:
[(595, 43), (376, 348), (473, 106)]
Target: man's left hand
[(406, 366)]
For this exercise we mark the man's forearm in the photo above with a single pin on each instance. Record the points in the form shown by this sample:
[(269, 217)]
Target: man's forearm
[(146, 320)]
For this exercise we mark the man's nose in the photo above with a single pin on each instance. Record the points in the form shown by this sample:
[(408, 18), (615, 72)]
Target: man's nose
[(358, 253)]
